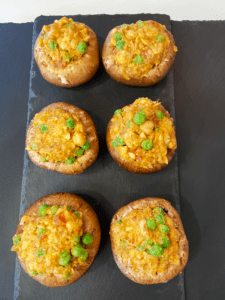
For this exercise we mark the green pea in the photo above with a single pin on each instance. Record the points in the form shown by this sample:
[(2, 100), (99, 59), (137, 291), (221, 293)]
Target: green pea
[(146, 145), (160, 38), (77, 214), (70, 160), (87, 239), (115, 144), (43, 210), (80, 152), (86, 146), (44, 128), (52, 45), (151, 223), (141, 23), (77, 250), (152, 47), (67, 57), (85, 255), (160, 219), (156, 250), (129, 123), (76, 239), (138, 60), (33, 146), (122, 25), (40, 252), (140, 248), (70, 123), (65, 254), (148, 242), (118, 111), (118, 36), (120, 141), (139, 118), (69, 208), (147, 251), (54, 209), (120, 44), (82, 47), (16, 239), (40, 230), (159, 114), (163, 229), (65, 259), (156, 129), (43, 159), (68, 25), (159, 210), (123, 244), (165, 242), (120, 221), (33, 273), (67, 275)]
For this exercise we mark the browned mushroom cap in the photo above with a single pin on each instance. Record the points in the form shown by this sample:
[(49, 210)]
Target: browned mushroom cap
[(154, 75), (173, 270), (81, 71), (130, 166), (90, 225), (81, 163)]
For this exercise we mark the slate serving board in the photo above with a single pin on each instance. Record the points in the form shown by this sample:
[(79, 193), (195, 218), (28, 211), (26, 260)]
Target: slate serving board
[(105, 186)]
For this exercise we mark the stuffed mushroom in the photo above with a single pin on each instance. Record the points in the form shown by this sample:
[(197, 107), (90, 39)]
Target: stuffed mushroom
[(67, 53), (62, 138), (139, 54), (57, 239), (141, 136), (148, 241)]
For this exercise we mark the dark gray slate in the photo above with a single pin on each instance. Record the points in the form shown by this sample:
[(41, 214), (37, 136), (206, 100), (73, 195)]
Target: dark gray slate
[(15, 59), (105, 185), (200, 105)]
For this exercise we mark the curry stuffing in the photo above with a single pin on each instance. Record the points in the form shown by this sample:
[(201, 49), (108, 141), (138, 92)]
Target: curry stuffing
[(146, 241), (139, 47), (48, 239), (64, 41), (142, 134), (58, 136)]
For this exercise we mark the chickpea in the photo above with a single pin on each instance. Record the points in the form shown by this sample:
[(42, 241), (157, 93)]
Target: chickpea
[(132, 155), (73, 44), (147, 127), (79, 139)]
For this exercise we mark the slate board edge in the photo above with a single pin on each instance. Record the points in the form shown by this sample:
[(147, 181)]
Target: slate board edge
[(26, 160), (177, 182), (22, 198)]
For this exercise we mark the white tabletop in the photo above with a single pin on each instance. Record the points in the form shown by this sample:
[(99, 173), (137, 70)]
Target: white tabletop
[(21, 11)]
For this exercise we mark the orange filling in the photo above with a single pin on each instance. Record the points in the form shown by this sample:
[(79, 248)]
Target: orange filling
[(131, 137), (139, 47), (45, 238), (134, 240), (61, 41), (58, 136)]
